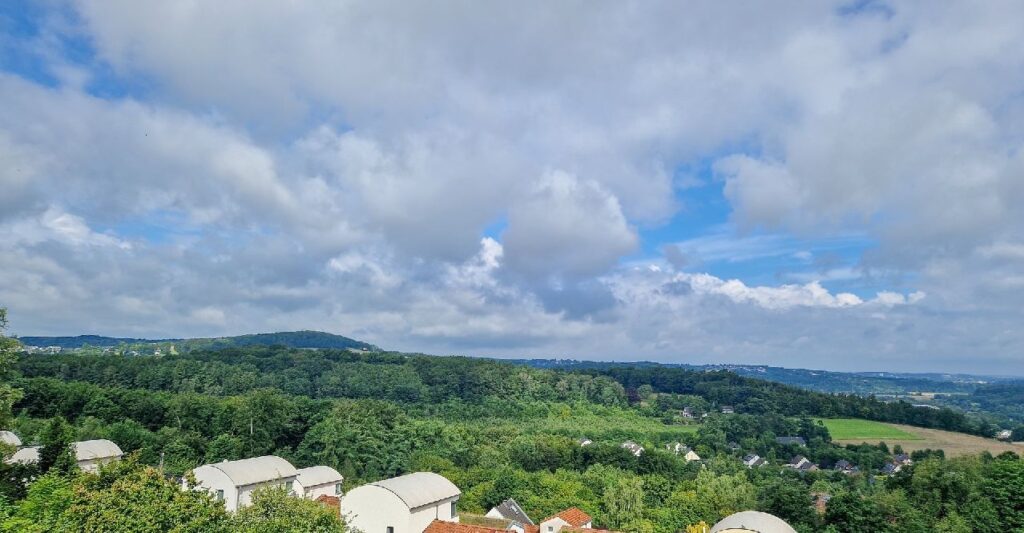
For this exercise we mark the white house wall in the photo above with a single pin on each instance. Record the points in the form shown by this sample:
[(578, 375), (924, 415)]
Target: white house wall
[(372, 509), (211, 480), (315, 491), (423, 516)]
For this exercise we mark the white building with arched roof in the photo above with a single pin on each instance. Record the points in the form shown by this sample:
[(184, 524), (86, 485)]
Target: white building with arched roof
[(233, 482), (404, 504), (9, 438), (752, 522), (89, 454), (316, 481)]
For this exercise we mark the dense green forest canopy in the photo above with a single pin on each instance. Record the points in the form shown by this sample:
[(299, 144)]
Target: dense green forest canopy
[(498, 430)]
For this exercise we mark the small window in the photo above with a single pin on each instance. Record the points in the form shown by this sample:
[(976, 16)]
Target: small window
[(455, 511), (391, 529), (220, 495)]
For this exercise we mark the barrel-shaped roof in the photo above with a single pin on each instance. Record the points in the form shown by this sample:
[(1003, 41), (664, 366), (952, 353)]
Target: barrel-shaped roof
[(420, 488), (256, 470), (753, 521), (318, 475)]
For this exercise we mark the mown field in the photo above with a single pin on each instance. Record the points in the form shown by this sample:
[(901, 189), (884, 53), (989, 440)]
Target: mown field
[(853, 431), (854, 428)]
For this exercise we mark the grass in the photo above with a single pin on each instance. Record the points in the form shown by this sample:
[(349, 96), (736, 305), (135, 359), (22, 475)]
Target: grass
[(855, 428)]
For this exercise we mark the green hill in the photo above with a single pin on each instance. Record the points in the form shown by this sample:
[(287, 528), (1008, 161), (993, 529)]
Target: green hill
[(291, 339)]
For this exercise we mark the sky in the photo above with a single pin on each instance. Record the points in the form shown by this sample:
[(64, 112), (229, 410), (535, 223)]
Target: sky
[(813, 184)]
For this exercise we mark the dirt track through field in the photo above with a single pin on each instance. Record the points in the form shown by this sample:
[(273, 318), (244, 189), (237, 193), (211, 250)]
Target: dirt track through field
[(954, 444)]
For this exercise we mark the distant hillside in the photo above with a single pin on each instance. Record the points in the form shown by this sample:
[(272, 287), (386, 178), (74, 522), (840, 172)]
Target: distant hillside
[(291, 339), (83, 340), (880, 383)]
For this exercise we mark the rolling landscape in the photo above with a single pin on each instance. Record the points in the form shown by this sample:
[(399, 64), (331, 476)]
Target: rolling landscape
[(383, 266), (685, 445)]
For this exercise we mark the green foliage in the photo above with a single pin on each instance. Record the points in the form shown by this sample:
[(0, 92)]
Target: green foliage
[(40, 511), (128, 497), (56, 453), (8, 356), (273, 510)]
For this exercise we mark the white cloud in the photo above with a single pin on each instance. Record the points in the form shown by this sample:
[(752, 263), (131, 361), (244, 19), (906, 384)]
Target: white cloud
[(566, 226), (336, 165)]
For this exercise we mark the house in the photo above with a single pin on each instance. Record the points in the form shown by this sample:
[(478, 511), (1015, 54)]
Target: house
[(233, 482), (802, 464), (404, 504), (687, 413), (786, 441), (89, 454), (1004, 434), (679, 448), (26, 456), (510, 510), (10, 439), (752, 460), (902, 459), (845, 467), (751, 522), (733, 446), (583, 441), (727, 410), (571, 518), (633, 448), (891, 468), (316, 481)]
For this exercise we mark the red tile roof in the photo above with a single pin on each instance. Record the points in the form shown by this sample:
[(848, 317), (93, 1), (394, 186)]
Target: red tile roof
[(330, 501), (573, 515), (438, 526)]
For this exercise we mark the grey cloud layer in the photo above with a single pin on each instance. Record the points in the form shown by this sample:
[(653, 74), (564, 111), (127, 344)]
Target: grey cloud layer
[(334, 164)]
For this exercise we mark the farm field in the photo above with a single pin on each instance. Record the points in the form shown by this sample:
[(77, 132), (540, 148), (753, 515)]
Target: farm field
[(855, 428), (954, 444)]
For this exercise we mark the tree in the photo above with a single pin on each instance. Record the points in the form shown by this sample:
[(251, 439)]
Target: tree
[(623, 501), (788, 499), (852, 513), (224, 447), (129, 497), (40, 511), (8, 355), (1003, 485), (273, 510), (55, 451)]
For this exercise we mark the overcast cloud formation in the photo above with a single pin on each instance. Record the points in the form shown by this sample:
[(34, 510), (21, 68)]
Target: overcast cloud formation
[(809, 184)]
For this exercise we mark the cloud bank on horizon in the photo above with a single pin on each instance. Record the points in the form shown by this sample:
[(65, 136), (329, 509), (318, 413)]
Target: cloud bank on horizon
[(813, 184)]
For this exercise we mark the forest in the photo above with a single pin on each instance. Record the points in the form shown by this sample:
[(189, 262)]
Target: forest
[(496, 429)]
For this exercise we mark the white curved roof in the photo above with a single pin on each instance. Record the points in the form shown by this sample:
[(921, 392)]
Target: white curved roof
[(318, 475), (9, 438), (256, 470), (420, 488), (96, 449), (26, 456), (754, 521)]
